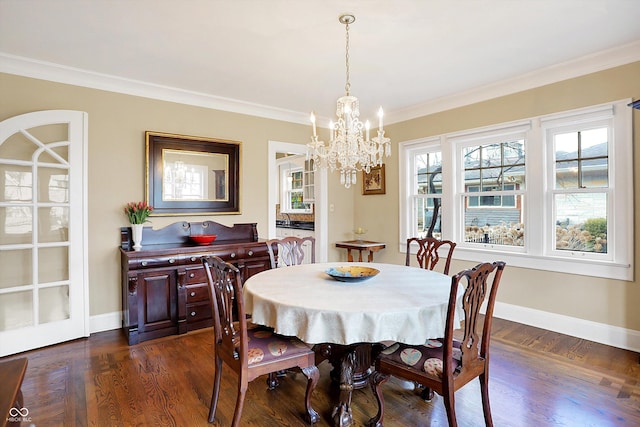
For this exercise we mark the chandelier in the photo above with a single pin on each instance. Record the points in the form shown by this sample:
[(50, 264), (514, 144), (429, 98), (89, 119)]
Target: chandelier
[(349, 150)]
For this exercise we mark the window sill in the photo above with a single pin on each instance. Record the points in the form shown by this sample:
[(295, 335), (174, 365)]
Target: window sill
[(607, 270)]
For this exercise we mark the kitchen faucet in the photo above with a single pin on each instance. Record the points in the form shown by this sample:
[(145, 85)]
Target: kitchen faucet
[(288, 220)]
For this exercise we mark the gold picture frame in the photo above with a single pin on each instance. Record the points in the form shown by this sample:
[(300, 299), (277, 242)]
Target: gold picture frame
[(374, 181)]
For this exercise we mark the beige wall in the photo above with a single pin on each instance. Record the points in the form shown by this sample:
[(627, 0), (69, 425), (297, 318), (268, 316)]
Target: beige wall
[(117, 164), (116, 175), (605, 301)]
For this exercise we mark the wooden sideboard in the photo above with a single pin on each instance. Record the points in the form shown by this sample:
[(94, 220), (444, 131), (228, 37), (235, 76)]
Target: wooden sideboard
[(164, 286)]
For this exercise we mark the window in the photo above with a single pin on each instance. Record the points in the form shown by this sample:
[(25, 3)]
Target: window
[(556, 189), (293, 191), (185, 181), (424, 191), (581, 187)]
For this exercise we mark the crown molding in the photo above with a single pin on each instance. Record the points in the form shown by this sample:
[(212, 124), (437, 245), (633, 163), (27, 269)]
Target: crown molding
[(588, 64), (43, 70), (27, 67)]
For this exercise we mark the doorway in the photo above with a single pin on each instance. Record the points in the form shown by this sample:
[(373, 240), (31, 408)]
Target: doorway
[(275, 149)]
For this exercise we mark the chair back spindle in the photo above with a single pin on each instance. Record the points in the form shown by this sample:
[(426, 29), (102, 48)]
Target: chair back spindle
[(291, 250), (428, 254)]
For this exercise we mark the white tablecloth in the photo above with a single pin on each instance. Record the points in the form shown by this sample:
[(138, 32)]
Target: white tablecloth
[(406, 304)]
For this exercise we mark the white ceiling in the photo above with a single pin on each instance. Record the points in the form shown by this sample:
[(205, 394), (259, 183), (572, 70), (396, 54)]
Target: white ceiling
[(284, 58)]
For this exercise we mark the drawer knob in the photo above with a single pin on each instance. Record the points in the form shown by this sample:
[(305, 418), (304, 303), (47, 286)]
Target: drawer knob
[(233, 254), (193, 259), (192, 275), (144, 263), (193, 313), (193, 294), (250, 253), (171, 261)]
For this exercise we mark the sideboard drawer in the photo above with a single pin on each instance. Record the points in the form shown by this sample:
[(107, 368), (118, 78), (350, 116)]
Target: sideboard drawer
[(197, 293), (198, 311), (195, 275), (256, 251), (152, 262)]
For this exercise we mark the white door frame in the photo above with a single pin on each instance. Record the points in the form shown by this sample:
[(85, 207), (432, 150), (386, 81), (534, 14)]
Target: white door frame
[(321, 196)]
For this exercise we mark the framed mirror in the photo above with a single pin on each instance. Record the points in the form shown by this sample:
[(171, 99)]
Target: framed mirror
[(189, 175)]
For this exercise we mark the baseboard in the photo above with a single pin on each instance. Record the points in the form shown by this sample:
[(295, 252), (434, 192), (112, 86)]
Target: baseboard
[(615, 336), (105, 322)]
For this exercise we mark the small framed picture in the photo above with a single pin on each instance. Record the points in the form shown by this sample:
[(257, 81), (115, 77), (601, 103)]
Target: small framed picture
[(373, 182)]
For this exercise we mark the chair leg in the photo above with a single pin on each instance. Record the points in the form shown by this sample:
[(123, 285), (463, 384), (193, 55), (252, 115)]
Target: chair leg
[(376, 380), (242, 391), (313, 375), (426, 394), (272, 381), (216, 389), (484, 391)]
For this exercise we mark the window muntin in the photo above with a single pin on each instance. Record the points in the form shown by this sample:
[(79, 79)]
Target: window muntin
[(581, 159)]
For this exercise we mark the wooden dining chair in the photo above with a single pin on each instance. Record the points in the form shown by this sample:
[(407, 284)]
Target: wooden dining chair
[(446, 364), (250, 350), (291, 251), (428, 254), (285, 252)]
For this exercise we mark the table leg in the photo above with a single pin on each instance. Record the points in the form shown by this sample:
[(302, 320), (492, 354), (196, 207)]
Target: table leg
[(342, 416), (359, 255), (349, 256), (370, 259), (352, 366)]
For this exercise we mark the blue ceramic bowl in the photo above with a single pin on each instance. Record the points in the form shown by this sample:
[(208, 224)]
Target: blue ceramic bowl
[(352, 273)]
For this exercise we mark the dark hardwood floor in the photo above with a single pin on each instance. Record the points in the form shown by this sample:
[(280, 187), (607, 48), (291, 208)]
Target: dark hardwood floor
[(538, 378)]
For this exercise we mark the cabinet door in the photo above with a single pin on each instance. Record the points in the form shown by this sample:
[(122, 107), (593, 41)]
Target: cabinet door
[(157, 303), (308, 192), (254, 267)]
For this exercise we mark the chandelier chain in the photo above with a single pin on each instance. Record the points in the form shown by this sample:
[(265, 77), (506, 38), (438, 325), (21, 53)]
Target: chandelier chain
[(347, 86)]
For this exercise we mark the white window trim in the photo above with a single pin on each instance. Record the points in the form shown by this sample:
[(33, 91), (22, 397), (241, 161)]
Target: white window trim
[(535, 254)]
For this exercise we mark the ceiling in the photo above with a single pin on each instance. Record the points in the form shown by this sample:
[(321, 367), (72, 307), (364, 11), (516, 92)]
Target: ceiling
[(285, 58)]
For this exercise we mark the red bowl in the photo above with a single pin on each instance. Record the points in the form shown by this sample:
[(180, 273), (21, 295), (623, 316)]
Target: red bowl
[(203, 239)]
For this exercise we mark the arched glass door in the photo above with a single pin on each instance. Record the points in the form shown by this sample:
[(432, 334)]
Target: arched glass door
[(43, 286)]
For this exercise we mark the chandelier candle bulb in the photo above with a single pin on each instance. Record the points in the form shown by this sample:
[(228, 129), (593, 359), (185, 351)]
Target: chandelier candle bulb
[(380, 114), (313, 121)]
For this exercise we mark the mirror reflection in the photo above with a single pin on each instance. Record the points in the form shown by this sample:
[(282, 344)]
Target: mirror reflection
[(194, 175)]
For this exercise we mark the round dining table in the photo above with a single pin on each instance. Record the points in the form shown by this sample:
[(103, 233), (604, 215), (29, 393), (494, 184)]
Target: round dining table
[(346, 320)]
